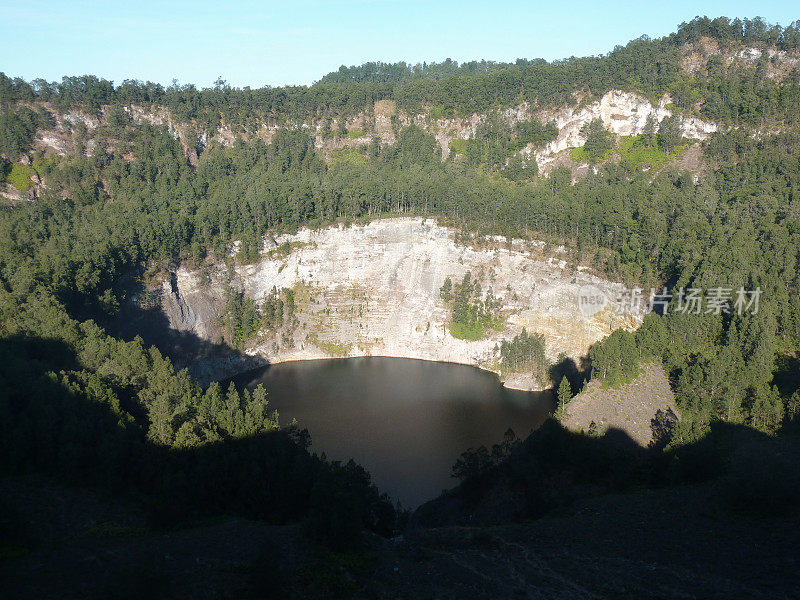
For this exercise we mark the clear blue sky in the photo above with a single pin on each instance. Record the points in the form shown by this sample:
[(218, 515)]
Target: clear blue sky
[(257, 43)]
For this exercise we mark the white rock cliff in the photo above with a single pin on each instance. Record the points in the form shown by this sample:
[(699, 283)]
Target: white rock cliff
[(373, 290)]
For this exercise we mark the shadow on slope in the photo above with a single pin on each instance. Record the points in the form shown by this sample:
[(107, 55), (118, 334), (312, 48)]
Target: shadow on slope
[(752, 473), (576, 374), (57, 418), (47, 426), (205, 360)]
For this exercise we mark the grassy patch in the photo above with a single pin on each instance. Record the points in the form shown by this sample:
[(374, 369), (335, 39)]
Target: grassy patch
[(348, 156), (305, 294), (464, 331), (354, 134), (330, 347), (285, 249), (621, 379), (498, 323), (637, 156), (581, 155), (459, 146), (476, 330), (20, 177)]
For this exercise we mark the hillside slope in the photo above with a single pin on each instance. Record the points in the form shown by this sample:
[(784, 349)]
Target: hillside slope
[(629, 407)]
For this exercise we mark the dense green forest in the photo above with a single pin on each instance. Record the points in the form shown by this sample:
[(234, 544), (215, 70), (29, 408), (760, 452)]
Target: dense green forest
[(75, 400)]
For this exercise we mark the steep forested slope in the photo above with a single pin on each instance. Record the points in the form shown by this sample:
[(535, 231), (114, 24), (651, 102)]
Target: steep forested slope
[(129, 198)]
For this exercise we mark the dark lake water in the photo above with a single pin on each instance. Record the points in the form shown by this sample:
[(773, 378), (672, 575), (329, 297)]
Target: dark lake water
[(406, 421)]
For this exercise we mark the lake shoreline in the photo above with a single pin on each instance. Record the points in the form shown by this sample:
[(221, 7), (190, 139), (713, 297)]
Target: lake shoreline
[(522, 382)]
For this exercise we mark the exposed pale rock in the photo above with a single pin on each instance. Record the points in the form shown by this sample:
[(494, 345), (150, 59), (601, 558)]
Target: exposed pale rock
[(11, 194), (75, 117), (622, 113), (374, 290), (52, 141)]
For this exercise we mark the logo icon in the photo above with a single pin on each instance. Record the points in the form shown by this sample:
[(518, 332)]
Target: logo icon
[(591, 300)]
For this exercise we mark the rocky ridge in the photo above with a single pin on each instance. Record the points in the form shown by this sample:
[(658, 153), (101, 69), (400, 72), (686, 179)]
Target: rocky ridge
[(623, 113)]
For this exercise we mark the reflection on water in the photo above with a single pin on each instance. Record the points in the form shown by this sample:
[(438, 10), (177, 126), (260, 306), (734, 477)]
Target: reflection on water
[(406, 421)]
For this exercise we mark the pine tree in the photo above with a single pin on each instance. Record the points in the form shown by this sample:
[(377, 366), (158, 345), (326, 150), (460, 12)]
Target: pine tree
[(446, 290), (648, 136), (599, 141), (669, 133), (564, 395)]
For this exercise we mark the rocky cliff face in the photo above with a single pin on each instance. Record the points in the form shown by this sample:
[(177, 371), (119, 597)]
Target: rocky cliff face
[(373, 290), (623, 113)]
